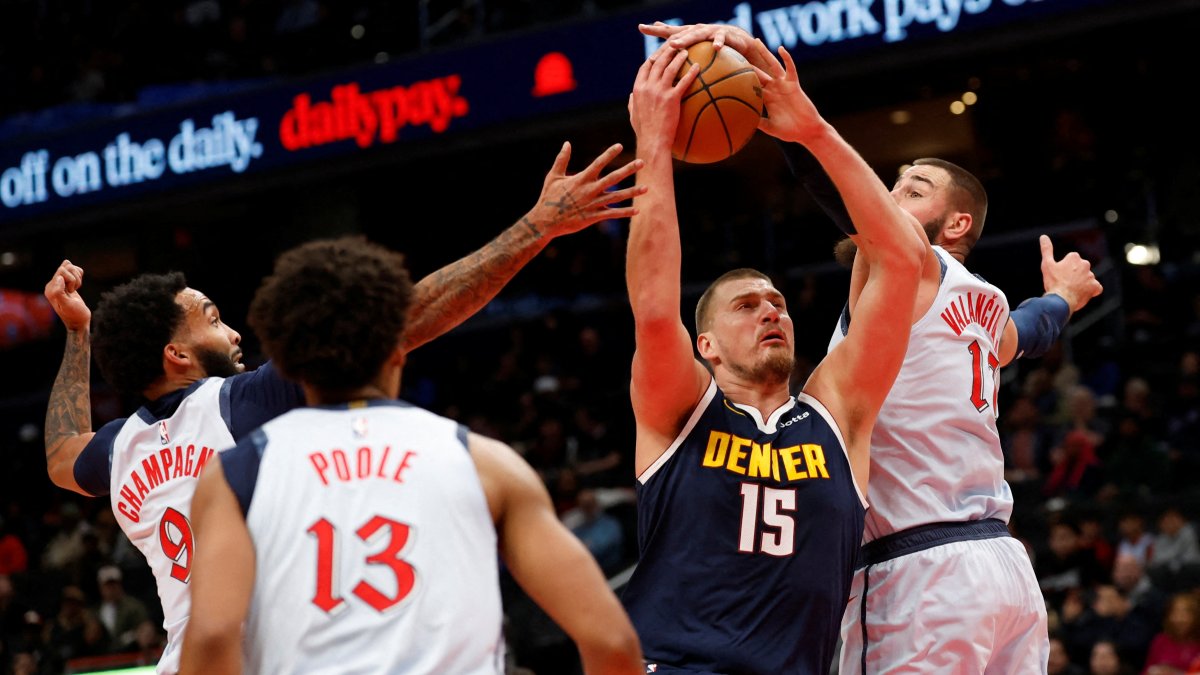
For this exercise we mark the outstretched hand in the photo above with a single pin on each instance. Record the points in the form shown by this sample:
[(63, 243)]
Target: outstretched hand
[(655, 102), (570, 203), (63, 293), (792, 115), (1072, 277)]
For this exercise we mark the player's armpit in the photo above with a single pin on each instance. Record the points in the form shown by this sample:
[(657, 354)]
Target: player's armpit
[(551, 564), (222, 578)]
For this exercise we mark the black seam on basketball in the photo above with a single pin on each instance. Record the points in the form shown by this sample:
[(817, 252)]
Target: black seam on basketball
[(696, 123), (734, 98), (735, 73)]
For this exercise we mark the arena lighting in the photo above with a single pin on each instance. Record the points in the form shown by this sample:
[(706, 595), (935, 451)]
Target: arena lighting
[(1111, 216), (958, 107), (358, 31), (970, 98), (901, 117), (1142, 254)]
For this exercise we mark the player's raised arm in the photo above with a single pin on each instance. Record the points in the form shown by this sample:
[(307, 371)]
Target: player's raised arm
[(1036, 324), (856, 377), (222, 579), (667, 379), (69, 412), (551, 564), (567, 204)]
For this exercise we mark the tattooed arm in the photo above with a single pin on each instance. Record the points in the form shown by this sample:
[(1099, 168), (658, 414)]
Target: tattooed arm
[(567, 204), (69, 413)]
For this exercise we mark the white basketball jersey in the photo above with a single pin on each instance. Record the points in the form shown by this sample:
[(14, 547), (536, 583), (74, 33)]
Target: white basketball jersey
[(375, 548), (155, 465), (935, 450)]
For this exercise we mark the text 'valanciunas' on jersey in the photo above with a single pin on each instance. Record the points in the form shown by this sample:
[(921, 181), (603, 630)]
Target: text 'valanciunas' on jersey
[(935, 450)]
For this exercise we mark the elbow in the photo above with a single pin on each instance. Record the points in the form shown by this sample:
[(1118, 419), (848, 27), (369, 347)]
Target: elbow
[(211, 649), (614, 652)]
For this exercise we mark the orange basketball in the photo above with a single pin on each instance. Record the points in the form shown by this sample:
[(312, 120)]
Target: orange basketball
[(722, 108)]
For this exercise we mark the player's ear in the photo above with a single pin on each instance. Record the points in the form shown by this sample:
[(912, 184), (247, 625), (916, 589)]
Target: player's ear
[(958, 227), (176, 355), (706, 346)]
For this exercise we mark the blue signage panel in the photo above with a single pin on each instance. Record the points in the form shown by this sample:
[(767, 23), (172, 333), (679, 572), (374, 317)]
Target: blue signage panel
[(562, 69)]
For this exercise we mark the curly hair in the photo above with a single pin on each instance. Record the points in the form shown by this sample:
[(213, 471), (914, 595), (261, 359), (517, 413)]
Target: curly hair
[(132, 324), (333, 311)]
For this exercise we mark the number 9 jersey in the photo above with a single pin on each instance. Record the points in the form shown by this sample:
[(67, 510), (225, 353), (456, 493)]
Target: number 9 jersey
[(375, 550)]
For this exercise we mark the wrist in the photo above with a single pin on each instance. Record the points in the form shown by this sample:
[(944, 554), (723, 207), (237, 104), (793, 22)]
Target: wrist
[(1064, 296)]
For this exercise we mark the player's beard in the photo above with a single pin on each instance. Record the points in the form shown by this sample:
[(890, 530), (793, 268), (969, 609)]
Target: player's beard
[(775, 368), (215, 363), (933, 228)]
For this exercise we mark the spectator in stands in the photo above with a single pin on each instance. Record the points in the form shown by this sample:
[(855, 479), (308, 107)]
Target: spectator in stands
[(1176, 551), (1178, 645), (1109, 617), (120, 613), (1059, 662), (1106, 659), (13, 557), (1131, 580), (1065, 567), (65, 548), (1081, 415), (1026, 445), (1134, 461), (1093, 539), (599, 531), (73, 632), (1135, 540), (1075, 471)]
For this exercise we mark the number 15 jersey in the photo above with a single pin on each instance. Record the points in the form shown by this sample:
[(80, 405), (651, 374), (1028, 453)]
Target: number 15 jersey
[(748, 530), (375, 550)]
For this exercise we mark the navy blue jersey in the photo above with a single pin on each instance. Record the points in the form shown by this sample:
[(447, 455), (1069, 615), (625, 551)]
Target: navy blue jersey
[(749, 532)]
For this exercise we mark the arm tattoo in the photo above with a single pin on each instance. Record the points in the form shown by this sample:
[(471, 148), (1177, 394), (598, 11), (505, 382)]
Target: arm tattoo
[(69, 412), (452, 294)]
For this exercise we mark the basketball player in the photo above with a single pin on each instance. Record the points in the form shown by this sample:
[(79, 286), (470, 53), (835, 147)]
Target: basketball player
[(939, 501), (160, 339), (360, 534), (750, 498)]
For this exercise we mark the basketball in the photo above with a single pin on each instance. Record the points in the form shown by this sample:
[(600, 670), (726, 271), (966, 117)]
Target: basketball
[(721, 110)]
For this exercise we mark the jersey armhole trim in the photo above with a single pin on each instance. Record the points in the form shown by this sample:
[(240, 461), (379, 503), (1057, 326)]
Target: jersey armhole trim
[(824, 413), (687, 429), (226, 405)]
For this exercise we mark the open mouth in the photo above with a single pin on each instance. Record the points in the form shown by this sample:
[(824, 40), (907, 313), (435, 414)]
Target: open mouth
[(773, 337)]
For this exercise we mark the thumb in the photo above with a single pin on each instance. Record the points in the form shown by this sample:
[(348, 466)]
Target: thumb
[(1047, 249)]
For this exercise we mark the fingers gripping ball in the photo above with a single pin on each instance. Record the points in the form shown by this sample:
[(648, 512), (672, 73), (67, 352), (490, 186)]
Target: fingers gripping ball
[(722, 108)]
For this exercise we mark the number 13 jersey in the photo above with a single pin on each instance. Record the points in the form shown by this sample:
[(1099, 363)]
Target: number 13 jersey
[(375, 550)]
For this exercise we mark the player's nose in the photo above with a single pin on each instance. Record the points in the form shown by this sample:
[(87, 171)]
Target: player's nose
[(235, 337)]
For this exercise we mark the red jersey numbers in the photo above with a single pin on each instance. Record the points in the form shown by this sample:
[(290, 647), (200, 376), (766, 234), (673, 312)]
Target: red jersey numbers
[(175, 537), (397, 536), (981, 375)]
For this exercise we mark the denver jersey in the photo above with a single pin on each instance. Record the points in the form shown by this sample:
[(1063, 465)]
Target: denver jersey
[(149, 463), (935, 450), (375, 550), (749, 531)]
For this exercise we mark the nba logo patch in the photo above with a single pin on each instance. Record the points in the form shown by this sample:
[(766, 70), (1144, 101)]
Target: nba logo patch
[(163, 436), (651, 667), (359, 426)]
